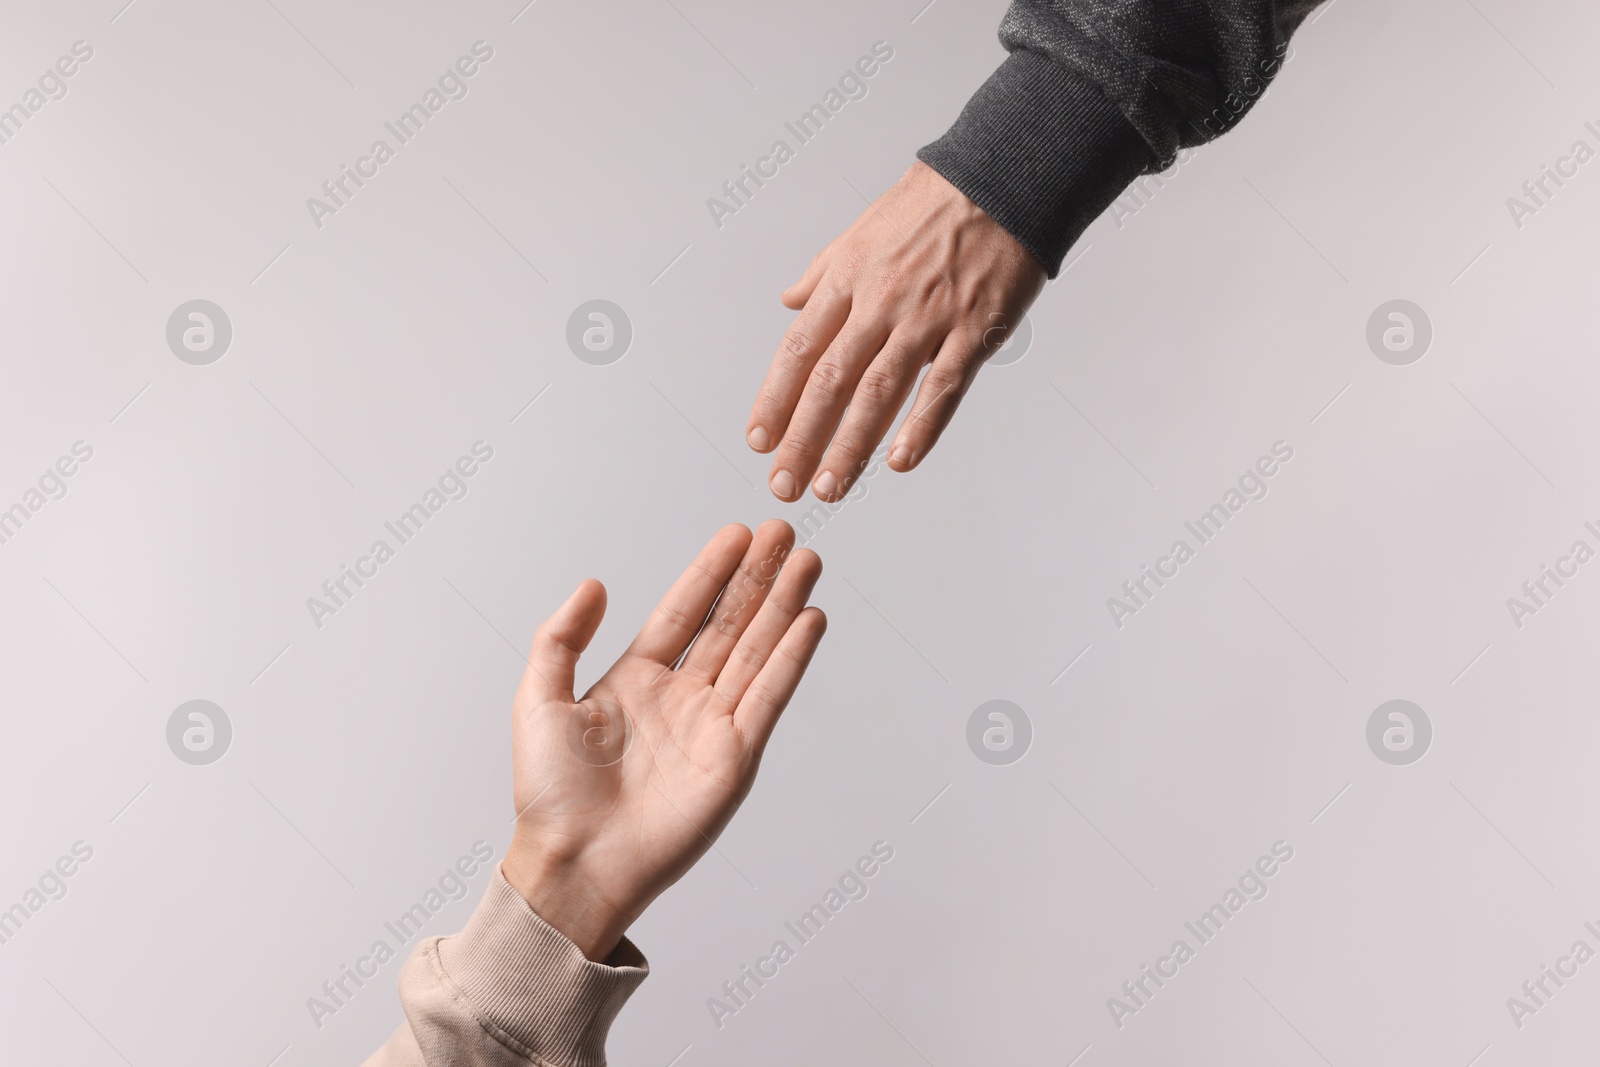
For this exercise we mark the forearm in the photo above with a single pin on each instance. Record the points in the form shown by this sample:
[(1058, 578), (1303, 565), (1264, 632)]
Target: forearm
[(507, 991), (1096, 93)]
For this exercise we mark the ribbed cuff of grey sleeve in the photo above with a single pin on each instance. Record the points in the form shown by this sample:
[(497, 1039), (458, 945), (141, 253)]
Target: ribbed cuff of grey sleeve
[(532, 988), (1043, 150)]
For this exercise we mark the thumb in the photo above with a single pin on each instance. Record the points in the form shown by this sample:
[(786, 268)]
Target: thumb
[(553, 660), (797, 295)]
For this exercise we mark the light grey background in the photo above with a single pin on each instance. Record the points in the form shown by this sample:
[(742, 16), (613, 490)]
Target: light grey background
[(1227, 314)]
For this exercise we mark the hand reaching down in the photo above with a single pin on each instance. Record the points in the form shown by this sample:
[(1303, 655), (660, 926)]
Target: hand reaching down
[(619, 793), (923, 276)]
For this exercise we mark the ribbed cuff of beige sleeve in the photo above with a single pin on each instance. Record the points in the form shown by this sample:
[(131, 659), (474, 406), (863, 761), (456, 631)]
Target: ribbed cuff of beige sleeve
[(531, 988)]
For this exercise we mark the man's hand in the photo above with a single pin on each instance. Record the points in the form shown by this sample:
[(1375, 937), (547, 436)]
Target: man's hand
[(923, 275), (618, 794)]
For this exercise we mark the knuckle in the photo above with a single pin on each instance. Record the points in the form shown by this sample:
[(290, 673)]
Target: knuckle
[(828, 378), (877, 387), (796, 343), (675, 618), (833, 289), (548, 640), (788, 656), (890, 282), (845, 459), (852, 442), (748, 656), (799, 452), (940, 381), (854, 261)]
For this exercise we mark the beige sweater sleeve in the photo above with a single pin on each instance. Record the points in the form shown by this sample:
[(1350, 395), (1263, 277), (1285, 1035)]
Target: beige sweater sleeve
[(507, 991)]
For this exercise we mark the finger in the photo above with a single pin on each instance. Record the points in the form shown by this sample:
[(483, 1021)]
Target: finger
[(784, 605), (557, 644), (807, 339), (946, 382), (769, 694), (740, 600), (878, 397), (796, 296), (827, 392), (681, 612)]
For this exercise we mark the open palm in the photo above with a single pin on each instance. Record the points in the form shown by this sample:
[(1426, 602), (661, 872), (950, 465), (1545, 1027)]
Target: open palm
[(619, 793)]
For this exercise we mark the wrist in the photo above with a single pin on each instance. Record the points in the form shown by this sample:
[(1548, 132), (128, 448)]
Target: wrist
[(563, 897), (958, 212), (1044, 150)]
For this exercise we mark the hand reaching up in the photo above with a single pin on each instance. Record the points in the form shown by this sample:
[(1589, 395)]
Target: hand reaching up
[(618, 794)]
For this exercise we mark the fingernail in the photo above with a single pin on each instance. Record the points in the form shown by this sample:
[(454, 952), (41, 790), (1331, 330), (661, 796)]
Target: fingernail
[(783, 485), (900, 456), (825, 485), (758, 438)]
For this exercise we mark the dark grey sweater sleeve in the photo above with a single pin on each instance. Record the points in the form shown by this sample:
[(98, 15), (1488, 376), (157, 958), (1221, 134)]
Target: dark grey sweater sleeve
[(1097, 92)]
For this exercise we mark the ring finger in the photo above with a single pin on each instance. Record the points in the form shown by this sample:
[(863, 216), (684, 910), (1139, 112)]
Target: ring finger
[(827, 392), (878, 398)]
